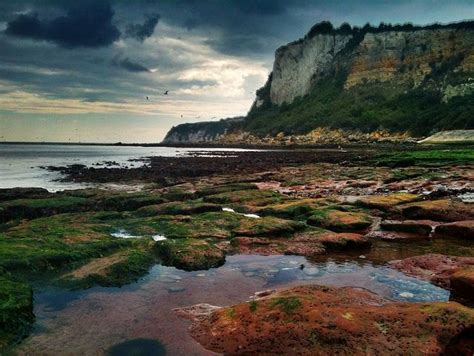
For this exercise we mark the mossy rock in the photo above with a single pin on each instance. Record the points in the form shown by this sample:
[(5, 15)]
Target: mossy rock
[(340, 221), (225, 188), (333, 240), (386, 202), (419, 227), (438, 210), (426, 158), (179, 193), (293, 209), (323, 320), (460, 229), (56, 241), (246, 197), (75, 201), (115, 270), (212, 224), (130, 201), (398, 175), (23, 193), (34, 208), (267, 226), (178, 208), (462, 284), (190, 254), (16, 311)]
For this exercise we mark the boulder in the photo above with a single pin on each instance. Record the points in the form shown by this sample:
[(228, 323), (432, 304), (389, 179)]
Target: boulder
[(462, 284), (277, 246), (190, 254), (462, 229), (440, 210), (435, 268), (341, 221), (318, 320), (421, 227), (386, 202)]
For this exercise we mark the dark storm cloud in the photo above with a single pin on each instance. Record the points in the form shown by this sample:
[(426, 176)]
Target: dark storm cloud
[(129, 65), (141, 32), (236, 27), (261, 7), (87, 23)]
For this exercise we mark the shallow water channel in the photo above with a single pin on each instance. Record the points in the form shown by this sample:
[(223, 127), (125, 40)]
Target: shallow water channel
[(121, 320)]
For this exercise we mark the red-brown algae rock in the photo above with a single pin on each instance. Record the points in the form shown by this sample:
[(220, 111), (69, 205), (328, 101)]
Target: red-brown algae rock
[(317, 320), (435, 268), (422, 227), (462, 283), (461, 229), (439, 210), (343, 241), (386, 202), (341, 221), (406, 230), (277, 246), (306, 243)]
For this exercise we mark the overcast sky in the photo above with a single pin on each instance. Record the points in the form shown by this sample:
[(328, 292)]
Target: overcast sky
[(81, 70)]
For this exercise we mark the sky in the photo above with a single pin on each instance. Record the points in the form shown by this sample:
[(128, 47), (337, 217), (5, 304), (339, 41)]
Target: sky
[(81, 71)]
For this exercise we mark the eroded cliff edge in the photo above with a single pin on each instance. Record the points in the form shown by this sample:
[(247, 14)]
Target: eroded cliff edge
[(358, 84)]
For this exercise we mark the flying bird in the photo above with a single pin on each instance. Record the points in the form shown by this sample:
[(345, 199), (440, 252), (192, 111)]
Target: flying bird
[(147, 98), (166, 92)]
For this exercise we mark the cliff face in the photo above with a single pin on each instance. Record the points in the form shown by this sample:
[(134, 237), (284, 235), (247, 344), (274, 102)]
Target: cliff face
[(298, 66), (405, 80), (403, 58), (200, 132)]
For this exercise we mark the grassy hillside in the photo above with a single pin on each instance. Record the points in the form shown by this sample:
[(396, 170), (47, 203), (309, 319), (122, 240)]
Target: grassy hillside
[(367, 107)]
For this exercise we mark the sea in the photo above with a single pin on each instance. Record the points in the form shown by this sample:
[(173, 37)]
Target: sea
[(24, 165)]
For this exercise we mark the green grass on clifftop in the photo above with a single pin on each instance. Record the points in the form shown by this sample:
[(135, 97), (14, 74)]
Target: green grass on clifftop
[(368, 107), (427, 158)]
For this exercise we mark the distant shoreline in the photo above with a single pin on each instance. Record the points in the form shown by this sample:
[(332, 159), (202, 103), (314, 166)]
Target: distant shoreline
[(374, 145), (210, 145)]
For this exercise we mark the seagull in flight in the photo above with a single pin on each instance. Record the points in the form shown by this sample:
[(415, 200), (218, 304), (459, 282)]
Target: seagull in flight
[(147, 98), (166, 92)]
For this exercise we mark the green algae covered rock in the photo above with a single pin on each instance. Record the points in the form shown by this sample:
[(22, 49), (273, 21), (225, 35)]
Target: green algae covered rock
[(246, 197), (33, 208), (225, 188), (16, 311), (292, 209), (386, 202), (115, 270), (439, 210), (178, 208), (340, 221), (190, 254), (267, 226)]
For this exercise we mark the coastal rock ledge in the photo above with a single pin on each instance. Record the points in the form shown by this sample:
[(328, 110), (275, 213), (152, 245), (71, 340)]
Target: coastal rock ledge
[(319, 320)]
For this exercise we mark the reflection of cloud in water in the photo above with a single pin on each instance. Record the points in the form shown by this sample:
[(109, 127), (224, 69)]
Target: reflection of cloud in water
[(382, 280), (91, 319)]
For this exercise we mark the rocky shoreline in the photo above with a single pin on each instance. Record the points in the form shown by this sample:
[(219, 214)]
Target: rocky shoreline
[(409, 210)]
